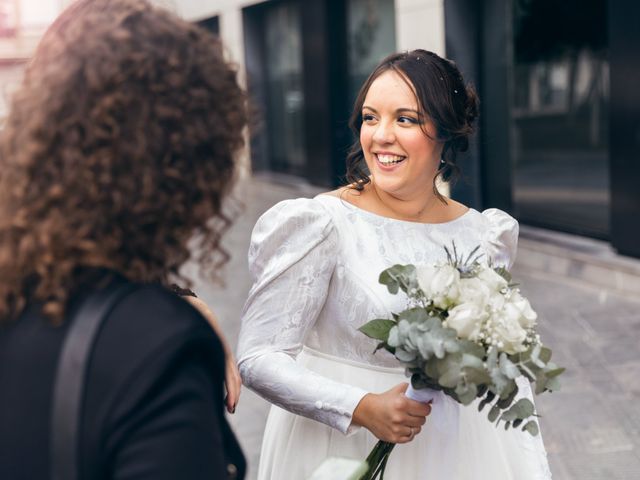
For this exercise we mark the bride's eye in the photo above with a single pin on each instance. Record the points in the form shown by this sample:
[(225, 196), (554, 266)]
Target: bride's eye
[(408, 120), (367, 117)]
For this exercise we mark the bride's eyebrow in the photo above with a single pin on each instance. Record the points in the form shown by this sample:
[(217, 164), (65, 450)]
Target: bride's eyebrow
[(411, 110), (398, 110)]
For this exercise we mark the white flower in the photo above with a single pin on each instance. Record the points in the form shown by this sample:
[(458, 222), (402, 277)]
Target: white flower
[(491, 279), (528, 316), (507, 329), (467, 320), (474, 290), (440, 284)]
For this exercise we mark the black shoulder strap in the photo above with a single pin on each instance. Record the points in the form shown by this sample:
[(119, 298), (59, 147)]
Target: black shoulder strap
[(71, 377)]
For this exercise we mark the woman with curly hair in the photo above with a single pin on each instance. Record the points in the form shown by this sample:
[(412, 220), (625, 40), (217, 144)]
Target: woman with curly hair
[(117, 154)]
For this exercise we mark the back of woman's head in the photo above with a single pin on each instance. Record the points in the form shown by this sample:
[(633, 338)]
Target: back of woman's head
[(443, 97), (118, 147)]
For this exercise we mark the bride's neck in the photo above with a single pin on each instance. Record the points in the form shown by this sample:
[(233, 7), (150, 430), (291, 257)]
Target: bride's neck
[(420, 207)]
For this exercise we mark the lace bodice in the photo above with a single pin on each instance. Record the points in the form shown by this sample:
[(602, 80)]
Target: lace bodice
[(315, 265)]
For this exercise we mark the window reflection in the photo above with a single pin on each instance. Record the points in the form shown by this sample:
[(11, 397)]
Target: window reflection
[(285, 97), (370, 38), (559, 84)]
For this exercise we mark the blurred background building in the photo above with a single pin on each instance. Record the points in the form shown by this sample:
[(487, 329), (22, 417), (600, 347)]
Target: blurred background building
[(559, 132)]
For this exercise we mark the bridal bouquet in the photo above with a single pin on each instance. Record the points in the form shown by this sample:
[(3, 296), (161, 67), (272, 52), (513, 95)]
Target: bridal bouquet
[(467, 332)]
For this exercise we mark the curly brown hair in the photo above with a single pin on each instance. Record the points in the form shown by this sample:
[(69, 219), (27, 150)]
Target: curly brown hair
[(118, 150)]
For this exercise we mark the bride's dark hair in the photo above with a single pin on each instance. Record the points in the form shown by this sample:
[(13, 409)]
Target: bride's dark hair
[(443, 97)]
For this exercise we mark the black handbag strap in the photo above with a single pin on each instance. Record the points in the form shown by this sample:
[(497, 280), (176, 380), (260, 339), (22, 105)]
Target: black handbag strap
[(71, 376)]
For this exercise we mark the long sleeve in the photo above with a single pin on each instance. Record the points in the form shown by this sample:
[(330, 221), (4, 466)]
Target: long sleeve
[(501, 237), (291, 259)]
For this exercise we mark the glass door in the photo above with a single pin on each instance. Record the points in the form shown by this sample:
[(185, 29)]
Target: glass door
[(284, 89), (559, 101)]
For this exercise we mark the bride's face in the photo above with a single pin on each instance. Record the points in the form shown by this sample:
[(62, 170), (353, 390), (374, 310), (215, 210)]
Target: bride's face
[(402, 159)]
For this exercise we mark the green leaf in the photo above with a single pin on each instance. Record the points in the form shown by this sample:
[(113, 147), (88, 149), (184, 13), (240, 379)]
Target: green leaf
[(378, 328), (541, 382), (532, 428), (493, 414), (508, 368), (553, 385), (504, 273), (471, 348), (508, 400), (416, 314), (399, 277), (554, 372), (450, 378), (483, 403), (477, 376), (466, 392), (522, 409), (540, 355)]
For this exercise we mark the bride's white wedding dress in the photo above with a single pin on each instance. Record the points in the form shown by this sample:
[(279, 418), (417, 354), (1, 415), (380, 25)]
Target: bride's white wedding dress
[(315, 265)]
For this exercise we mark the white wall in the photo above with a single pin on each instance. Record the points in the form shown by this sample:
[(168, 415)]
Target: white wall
[(420, 24)]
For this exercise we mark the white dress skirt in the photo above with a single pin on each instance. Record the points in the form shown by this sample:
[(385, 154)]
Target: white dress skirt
[(293, 446), (315, 266)]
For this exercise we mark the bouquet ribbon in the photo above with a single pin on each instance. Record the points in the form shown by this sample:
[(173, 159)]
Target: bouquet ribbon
[(445, 411)]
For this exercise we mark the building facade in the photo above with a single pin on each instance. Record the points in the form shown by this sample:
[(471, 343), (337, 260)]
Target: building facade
[(559, 129), (558, 139)]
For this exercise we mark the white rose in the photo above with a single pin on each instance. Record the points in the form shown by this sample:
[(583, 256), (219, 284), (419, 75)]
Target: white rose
[(528, 316), (474, 290), (510, 335), (440, 284), (467, 319), (492, 280)]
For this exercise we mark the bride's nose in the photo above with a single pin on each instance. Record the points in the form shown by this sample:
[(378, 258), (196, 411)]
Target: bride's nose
[(384, 133)]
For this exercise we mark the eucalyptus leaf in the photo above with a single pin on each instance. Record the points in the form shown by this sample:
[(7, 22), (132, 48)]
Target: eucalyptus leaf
[(522, 409), (483, 403), (532, 428), (416, 314), (477, 376), (399, 277), (508, 368), (553, 385), (493, 414), (508, 400), (378, 328), (541, 383), (450, 378), (554, 372), (466, 392), (405, 356)]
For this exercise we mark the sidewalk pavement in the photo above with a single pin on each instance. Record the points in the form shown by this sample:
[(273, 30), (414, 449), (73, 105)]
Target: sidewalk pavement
[(588, 300)]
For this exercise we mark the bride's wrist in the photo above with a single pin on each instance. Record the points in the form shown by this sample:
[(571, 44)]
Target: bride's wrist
[(362, 410)]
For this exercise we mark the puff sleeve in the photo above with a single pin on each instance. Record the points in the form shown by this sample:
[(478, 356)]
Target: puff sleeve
[(291, 260), (500, 240)]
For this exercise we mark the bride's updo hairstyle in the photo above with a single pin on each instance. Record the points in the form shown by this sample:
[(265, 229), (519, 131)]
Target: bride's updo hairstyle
[(443, 97)]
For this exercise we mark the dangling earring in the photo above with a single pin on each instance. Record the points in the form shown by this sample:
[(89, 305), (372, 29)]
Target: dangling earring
[(442, 163)]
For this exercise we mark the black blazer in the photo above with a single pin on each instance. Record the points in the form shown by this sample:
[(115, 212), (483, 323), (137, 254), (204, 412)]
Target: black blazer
[(153, 406)]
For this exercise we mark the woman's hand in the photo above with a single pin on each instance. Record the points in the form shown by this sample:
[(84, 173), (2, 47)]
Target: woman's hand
[(232, 380), (391, 416)]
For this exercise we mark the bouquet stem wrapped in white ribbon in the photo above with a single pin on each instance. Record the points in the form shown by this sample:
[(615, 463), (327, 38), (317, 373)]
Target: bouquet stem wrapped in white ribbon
[(468, 334)]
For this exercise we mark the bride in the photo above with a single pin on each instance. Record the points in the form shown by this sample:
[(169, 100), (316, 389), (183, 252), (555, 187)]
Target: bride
[(315, 265)]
